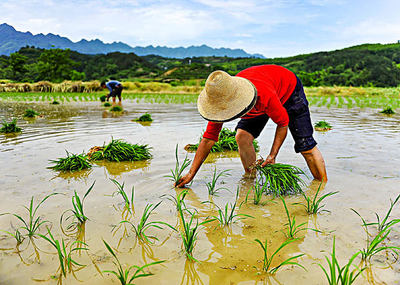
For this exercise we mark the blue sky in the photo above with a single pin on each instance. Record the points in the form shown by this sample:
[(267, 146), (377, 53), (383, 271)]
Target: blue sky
[(273, 28)]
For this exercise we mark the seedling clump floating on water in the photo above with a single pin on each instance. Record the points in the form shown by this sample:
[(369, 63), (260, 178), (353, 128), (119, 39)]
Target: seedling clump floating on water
[(103, 98), (30, 113), (10, 127), (107, 104), (282, 179), (322, 126), (388, 111), (73, 162), (118, 150), (226, 141), (116, 108), (144, 118), (55, 102)]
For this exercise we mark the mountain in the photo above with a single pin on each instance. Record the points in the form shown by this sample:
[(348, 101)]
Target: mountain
[(12, 40)]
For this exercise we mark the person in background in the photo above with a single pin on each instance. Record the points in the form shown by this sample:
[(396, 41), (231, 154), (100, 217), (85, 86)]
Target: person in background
[(254, 95), (115, 88)]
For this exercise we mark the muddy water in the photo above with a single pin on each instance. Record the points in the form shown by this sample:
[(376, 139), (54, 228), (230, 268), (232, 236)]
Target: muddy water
[(361, 153)]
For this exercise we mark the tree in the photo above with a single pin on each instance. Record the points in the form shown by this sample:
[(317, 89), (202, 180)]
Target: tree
[(16, 63), (55, 65)]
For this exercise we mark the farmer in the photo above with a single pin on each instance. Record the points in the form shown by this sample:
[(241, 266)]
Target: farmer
[(115, 88), (254, 95)]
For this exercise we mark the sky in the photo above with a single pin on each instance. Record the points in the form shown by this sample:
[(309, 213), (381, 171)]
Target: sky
[(274, 28)]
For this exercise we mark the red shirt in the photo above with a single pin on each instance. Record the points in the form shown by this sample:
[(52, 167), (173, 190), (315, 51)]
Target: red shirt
[(274, 86)]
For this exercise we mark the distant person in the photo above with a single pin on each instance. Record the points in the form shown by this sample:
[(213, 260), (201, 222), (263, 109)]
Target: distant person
[(115, 88), (254, 95)]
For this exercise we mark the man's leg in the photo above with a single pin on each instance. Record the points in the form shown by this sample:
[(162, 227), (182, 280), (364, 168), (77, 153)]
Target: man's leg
[(315, 163), (113, 99), (246, 149)]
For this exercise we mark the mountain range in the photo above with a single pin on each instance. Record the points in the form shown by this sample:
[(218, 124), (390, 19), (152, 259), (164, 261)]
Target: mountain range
[(12, 40)]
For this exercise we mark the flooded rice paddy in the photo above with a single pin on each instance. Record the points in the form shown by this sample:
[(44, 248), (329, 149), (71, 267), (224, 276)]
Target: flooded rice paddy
[(361, 154)]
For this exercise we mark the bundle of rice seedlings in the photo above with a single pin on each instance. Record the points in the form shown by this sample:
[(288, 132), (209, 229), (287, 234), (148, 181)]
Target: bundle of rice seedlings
[(388, 111), (107, 104), (73, 162), (118, 150), (30, 113), (144, 118), (116, 108), (226, 141), (55, 102), (322, 126), (281, 179), (103, 98), (10, 127)]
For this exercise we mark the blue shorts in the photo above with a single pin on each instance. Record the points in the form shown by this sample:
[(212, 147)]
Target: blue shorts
[(299, 120)]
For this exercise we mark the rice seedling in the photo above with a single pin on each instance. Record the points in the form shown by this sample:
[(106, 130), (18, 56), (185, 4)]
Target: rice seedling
[(124, 195), (118, 150), (67, 264), (385, 222), (335, 274), (107, 104), (258, 190), (267, 260), (292, 228), (144, 118), (32, 223), (116, 108), (282, 179), (10, 127), (19, 238), (313, 204), (73, 162), (124, 275), (143, 225), (30, 113), (55, 102), (212, 185), (388, 111), (322, 126), (103, 98), (176, 174)]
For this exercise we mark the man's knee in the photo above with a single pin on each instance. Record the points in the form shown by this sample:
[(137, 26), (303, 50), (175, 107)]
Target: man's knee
[(244, 138)]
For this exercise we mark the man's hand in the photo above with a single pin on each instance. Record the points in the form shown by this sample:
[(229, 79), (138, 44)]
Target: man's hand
[(269, 160), (184, 180)]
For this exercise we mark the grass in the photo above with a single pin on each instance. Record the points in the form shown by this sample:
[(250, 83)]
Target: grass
[(124, 275), (73, 162), (10, 127), (212, 185), (143, 225), (119, 150), (144, 118), (30, 113), (226, 142), (267, 261), (116, 108), (282, 179), (292, 228), (176, 174), (313, 204), (335, 274), (322, 126), (388, 111), (124, 195), (107, 104)]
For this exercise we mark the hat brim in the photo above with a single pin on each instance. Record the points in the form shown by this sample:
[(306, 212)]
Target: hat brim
[(244, 100)]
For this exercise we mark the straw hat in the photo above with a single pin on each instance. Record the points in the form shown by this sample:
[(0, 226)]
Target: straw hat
[(226, 97)]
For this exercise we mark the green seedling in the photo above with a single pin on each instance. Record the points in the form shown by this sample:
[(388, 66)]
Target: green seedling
[(292, 228), (322, 126), (67, 264), (30, 113), (124, 195), (73, 162), (335, 274), (116, 108), (124, 275), (268, 260), (313, 204), (388, 111), (258, 189), (107, 104), (10, 127), (118, 150), (176, 174), (144, 118), (19, 238), (212, 186), (141, 228), (55, 102), (385, 222), (282, 179), (103, 98)]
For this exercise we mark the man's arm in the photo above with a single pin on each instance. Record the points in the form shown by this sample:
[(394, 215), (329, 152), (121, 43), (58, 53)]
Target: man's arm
[(280, 135), (201, 155)]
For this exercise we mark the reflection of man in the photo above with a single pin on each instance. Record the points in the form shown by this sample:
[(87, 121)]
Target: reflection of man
[(255, 95), (115, 88)]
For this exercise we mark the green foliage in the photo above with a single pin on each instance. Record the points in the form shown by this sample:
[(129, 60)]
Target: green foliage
[(55, 65), (176, 174), (103, 98), (267, 261), (212, 185), (116, 108), (30, 113), (282, 179), (107, 104), (124, 275), (55, 102), (124, 195), (144, 118), (292, 228), (258, 188), (73, 162), (10, 127), (388, 111), (313, 204), (322, 126), (118, 150)]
